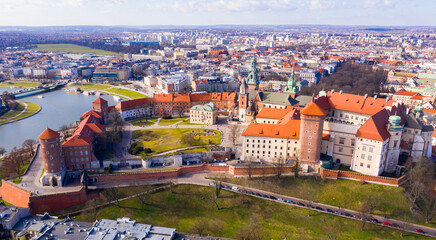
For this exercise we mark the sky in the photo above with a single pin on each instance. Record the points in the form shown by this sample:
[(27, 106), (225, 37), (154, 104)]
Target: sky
[(215, 12)]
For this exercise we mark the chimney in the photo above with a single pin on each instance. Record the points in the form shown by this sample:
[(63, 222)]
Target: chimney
[(375, 97), (340, 92), (366, 95), (387, 99), (407, 111), (333, 91)]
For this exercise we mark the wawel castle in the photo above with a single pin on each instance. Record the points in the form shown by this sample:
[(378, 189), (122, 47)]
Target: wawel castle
[(366, 133)]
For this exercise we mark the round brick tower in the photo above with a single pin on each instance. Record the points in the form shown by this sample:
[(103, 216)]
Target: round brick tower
[(312, 122), (53, 160)]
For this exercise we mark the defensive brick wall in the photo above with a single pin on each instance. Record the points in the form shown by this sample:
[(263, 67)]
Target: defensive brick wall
[(55, 202), (255, 170), (15, 195), (338, 174)]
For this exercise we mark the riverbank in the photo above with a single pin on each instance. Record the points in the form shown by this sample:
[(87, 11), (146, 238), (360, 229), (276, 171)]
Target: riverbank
[(110, 90), (24, 84), (23, 110)]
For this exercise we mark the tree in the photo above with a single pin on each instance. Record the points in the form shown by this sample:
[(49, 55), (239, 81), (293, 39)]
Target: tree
[(2, 151), (367, 207), (234, 134), (419, 190), (280, 163), (200, 226), (28, 144), (65, 130), (179, 109), (112, 194), (188, 139), (250, 166), (252, 231), (216, 193)]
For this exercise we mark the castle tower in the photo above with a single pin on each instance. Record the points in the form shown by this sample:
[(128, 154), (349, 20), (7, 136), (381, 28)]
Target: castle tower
[(52, 158), (243, 100), (292, 87), (100, 105), (253, 76), (395, 130), (312, 121)]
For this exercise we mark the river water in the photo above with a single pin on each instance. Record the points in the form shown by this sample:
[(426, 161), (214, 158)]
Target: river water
[(57, 108)]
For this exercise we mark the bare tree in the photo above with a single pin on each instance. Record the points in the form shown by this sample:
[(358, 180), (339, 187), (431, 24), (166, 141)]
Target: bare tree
[(65, 130), (200, 226), (28, 144), (419, 189), (280, 163), (367, 207), (112, 194), (250, 166), (234, 134), (252, 231)]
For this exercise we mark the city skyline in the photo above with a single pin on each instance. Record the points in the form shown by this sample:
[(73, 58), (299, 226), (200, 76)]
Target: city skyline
[(216, 12)]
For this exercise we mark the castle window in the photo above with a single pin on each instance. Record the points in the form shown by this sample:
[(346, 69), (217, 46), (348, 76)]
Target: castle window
[(368, 166), (341, 140), (369, 157), (353, 141), (362, 156), (341, 149), (361, 164)]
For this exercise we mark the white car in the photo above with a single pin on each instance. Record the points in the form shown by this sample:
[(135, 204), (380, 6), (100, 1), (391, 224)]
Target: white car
[(235, 188)]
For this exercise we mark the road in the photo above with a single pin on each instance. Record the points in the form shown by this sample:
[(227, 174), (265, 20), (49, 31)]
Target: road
[(199, 179)]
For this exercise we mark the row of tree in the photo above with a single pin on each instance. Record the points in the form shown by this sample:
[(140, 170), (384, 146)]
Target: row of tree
[(14, 163)]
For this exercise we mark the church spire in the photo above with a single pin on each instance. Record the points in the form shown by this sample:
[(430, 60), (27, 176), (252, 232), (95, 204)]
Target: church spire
[(292, 84), (253, 75)]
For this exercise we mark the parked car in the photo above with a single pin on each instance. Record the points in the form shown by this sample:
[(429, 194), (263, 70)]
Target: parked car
[(347, 214), (300, 204), (329, 210), (386, 223), (281, 199), (211, 184), (227, 186), (375, 221), (235, 188), (318, 208), (252, 193), (265, 196), (258, 194), (290, 201), (273, 198), (419, 230)]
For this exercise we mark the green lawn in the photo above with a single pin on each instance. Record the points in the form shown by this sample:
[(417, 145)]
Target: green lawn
[(188, 122), (19, 84), (91, 86), (165, 122), (191, 206), (125, 92), (17, 180), (11, 116), (72, 48), (162, 140), (141, 123), (342, 193)]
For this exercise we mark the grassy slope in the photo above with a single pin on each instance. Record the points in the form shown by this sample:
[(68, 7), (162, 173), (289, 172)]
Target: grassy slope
[(125, 92), (190, 203), (32, 108), (161, 140), (342, 193), (18, 84), (71, 48)]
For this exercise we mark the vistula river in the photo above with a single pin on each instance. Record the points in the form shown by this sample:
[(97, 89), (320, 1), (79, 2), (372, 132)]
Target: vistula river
[(57, 108)]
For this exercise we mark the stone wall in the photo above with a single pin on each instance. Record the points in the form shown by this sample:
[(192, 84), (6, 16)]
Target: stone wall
[(338, 174)]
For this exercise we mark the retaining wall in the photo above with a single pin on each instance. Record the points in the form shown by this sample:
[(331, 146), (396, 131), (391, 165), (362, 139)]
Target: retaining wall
[(338, 174)]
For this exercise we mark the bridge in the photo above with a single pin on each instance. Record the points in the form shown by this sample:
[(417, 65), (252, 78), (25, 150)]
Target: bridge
[(24, 92)]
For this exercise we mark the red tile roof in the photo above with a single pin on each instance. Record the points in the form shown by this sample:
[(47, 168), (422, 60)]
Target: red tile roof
[(313, 109), (405, 93), (289, 130), (357, 103), (48, 134), (374, 128), (273, 113), (91, 112), (130, 104), (100, 100)]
